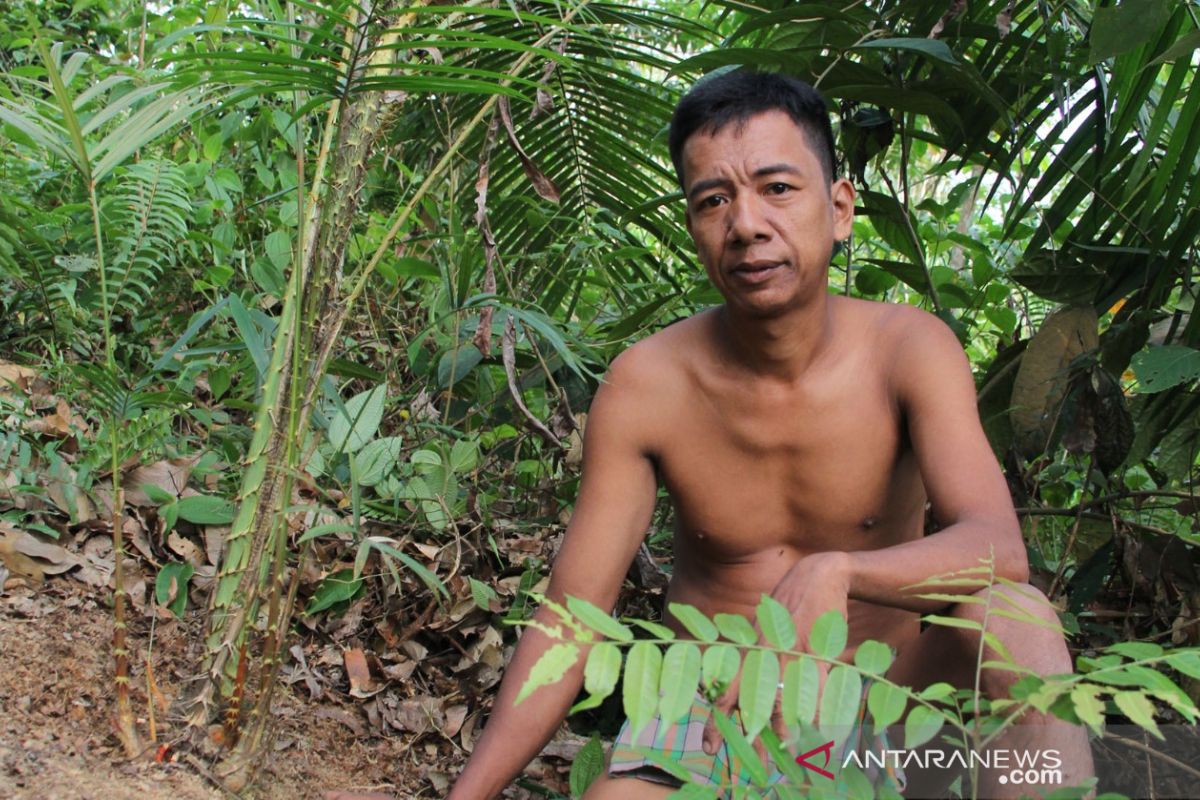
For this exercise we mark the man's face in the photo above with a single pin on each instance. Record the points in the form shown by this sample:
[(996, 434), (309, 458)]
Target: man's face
[(762, 214)]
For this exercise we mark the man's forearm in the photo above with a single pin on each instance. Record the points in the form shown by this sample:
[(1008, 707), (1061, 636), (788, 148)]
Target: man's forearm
[(885, 576), (515, 734)]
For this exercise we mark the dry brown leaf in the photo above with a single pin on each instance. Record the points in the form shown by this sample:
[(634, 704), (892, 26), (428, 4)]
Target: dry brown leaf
[(63, 490), (361, 683), (14, 376), (214, 540), (186, 548), (170, 475), (25, 554), (541, 182), (455, 716)]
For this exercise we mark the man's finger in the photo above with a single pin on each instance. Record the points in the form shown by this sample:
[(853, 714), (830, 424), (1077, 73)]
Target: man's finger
[(725, 703)]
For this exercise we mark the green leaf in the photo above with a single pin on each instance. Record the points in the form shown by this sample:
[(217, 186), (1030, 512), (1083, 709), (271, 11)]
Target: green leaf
[(934, 48), (720, 665), (549, 669), (597, 620), (801, 688), (1139, 709), (741, 750), (679, 680), (756, 693), (482, 594), (1182, 47), (279, 250), (776, 623), (922, 724), (694, 621), (328, 527), (1160, 368), (1136, 650), (173, 573), (1088, 706), (1187, 662), (334, 588), (840, 702), (602, 670), (587, 766), (873, 657), (654, 629), (377, 459), (952, 622), (640, 692), (886, 704), (202, 509), (936, 691), (827, 638), (356, 422), (735, 628), (157, 494), (464, 455), (1119, 28)]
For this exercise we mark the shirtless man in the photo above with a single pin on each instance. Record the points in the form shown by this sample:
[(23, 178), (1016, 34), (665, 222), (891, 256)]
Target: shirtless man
[(800, 435)]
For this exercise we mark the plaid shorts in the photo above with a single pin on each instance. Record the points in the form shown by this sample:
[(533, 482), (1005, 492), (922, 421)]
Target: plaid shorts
[(681, 744)]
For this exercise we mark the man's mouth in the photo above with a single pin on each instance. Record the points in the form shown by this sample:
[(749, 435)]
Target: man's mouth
[(755, 271)]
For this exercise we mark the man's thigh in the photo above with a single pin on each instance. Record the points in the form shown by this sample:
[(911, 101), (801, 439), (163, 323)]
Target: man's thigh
[(607, 787)]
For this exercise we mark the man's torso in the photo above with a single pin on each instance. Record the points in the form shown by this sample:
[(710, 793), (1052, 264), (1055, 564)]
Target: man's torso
[(761, 474)]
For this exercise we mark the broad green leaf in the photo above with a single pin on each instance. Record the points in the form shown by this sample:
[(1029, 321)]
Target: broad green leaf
[(1187, 662), (602, 670), (157, 494), (464, 455), (1139, 709), (587, 766), (654, 629), (355, 423), (936, 691), (922, 724), (694, 621), (720, 665), (886, 704), (756, 693), (801, 687), (934, 48), (1160, 368), (1184, 46), (279, 250), (334, 588), (827, 638), (640, 694), (179, 574), (1088, 706), (735, 628), (1122, 27), (873, 657), (376, 460), (549, 669), (679, 681), (1136, 650), (840, 702), (741, 750), (482, 594), (201, 509), (597, 620), (776, 623)]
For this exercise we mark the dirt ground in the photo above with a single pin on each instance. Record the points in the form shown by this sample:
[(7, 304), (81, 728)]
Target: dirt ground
[(56, 699)]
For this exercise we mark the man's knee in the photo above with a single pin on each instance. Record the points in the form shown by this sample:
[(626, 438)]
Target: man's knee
[(1025, 624)]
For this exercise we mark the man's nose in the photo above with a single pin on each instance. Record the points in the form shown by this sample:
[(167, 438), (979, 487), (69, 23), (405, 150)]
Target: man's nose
[(747, 221)]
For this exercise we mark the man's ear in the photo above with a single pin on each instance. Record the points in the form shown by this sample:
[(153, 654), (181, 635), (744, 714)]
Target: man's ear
[(841, 194)]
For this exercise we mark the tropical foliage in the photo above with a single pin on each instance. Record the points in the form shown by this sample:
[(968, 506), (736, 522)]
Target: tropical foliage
[(355, 271)]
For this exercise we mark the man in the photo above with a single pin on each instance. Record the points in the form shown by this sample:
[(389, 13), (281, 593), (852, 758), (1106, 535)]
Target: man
[(800, 435)]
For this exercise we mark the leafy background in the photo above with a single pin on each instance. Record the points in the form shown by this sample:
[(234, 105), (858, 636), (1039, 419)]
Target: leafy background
[(373, 260)]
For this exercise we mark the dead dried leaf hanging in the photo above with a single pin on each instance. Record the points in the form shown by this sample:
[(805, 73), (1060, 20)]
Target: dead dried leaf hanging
[(541, 183), (1043, 376)]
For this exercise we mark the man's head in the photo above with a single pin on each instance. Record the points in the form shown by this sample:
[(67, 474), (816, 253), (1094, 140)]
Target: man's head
[(735, 97)]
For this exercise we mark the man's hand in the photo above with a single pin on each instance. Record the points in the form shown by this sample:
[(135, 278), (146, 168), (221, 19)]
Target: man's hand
[(815, 585)]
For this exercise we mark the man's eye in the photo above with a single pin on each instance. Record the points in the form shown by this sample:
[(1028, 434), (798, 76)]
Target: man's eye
[(712, 201), (778, 188)]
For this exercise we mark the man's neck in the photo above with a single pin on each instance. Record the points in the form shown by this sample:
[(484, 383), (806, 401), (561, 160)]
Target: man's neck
[(781, 347)]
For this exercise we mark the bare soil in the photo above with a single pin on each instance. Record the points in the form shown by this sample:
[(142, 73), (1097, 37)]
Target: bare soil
[(56, 738)]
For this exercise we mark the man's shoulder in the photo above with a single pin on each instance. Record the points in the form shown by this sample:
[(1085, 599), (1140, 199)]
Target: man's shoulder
[(662, 357), (900, 328)]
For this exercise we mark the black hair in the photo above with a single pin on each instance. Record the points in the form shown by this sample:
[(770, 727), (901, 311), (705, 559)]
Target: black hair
[(717, 100)]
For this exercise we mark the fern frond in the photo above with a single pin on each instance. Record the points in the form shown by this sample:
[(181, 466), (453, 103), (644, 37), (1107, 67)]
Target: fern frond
[(151, 219)]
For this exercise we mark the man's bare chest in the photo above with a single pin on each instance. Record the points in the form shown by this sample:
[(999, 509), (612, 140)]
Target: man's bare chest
[(830, 470)]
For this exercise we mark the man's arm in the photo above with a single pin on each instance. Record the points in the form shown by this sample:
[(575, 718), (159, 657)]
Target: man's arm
[(931, 380), (612, 513)]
